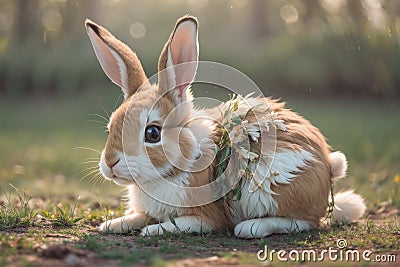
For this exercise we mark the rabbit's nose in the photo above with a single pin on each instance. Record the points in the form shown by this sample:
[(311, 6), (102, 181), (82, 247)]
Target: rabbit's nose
[(112, 164)]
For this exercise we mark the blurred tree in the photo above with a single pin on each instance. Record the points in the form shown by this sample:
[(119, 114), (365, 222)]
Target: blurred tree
[(91, 8), (282, 44), (313, 9), (26, 16), (392, 8), (74, 14), (258, 18), (357, 14)]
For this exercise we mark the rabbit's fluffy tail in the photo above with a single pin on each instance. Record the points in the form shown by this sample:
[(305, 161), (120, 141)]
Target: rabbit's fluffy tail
[(338, 164), (349, 206)]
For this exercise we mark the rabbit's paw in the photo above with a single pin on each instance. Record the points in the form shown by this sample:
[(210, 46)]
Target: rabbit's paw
[(261, 227), (115, 226), (251, 229), (109, 226), (124, 224), (152, 230)]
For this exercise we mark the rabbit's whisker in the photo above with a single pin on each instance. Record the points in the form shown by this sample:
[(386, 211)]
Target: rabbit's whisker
[(104, 124), (100, 116), (108, 114), (95, 180), (88, 148), (88, 169), (89, 161), (90, 173)]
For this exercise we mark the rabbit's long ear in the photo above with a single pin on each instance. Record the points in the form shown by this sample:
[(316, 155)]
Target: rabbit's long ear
[(178, 61), (118, 61)]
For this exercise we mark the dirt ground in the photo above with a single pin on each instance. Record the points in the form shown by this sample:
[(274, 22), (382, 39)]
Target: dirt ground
[(84, 246)]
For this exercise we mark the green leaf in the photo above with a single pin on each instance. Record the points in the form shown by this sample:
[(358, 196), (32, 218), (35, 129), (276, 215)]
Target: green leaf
[(237, 193), (77, 219), (236, 105), (172, 220), (62, 212), (236, 121), (225, 156)]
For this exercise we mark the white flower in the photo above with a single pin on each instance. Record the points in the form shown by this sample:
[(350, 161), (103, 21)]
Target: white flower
[(244, 153), (280, 125), (253, 132), (249, 95), (253, 156), (241, 173)]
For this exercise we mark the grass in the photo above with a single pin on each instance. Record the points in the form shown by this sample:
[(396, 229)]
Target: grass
[(12, 215), (52, 207)]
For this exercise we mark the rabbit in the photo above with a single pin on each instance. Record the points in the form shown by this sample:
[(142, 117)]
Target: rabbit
[(157, 134)]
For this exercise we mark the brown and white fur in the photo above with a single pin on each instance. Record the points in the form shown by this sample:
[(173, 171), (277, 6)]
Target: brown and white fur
[(294, 200)]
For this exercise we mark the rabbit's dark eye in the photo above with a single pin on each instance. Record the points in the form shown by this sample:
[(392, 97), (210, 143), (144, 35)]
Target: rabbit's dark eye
[(152, 134)]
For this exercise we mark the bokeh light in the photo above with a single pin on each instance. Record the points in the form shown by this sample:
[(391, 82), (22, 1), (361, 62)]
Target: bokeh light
[(137, 30), (289, 14)]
